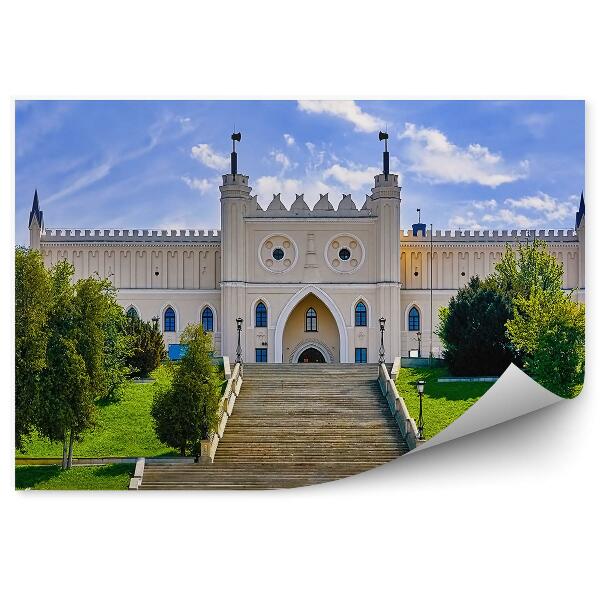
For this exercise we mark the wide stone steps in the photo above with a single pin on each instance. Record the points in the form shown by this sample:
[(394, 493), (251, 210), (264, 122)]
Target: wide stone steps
[(294, 425)]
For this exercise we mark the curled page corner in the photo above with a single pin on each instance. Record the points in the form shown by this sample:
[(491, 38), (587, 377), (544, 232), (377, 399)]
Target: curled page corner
[(513, 395)]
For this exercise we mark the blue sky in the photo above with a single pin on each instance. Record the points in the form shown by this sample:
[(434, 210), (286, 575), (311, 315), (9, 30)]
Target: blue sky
[(157, 164)]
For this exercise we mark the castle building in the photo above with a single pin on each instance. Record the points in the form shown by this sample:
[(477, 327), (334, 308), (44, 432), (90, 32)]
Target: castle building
[(311, 285)]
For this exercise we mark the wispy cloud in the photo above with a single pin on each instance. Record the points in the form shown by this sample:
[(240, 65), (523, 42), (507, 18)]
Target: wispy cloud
[(354, 179), (202, 185), (82, 181), (289, 139), (550, 207), (209, 157), (343, 109), (432, 155)]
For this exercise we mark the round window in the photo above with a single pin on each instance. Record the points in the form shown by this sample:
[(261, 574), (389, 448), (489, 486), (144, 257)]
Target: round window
[(344, 254), (278, 254)]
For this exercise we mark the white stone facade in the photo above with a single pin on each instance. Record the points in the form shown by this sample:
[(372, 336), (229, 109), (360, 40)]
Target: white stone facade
[(325, 259)]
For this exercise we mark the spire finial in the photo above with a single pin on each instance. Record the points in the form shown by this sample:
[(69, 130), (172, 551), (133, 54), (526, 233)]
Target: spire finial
[(386, 155), (235, 137), (35, 212)]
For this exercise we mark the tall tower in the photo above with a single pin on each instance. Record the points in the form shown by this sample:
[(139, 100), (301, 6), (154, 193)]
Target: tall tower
[(235, 203), (36, 223), (580, 229), (385, 204)]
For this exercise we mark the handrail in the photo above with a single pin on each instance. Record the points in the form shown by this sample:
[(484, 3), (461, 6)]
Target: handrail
[(406, 424), (208, 447)]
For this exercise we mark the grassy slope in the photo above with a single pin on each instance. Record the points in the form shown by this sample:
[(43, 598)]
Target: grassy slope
[(104, 477), (124, 428), (442, 402)]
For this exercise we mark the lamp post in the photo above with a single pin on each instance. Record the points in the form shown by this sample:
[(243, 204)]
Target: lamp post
[(238, 352), (381, 346), (155, 321), (419, 334), (420, 389)]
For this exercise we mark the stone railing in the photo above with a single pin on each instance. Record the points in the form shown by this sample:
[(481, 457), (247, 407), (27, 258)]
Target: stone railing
[(208, 448), (406, 424)]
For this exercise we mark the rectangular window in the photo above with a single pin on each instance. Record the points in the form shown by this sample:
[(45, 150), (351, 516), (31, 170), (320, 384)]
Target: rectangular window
[(261, 355), (360, 355)]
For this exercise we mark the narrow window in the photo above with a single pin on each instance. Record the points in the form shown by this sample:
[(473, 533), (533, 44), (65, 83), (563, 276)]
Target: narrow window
[(261, 355), (360, 315), (207, 319), (132, 313), (360, 355), (311, 320), (261, 315), (169, 319), (414, 319)]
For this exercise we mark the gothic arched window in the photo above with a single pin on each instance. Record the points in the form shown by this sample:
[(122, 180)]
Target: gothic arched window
[(207, 319), (360, 315), (414, 319), (311, 320), (260, 316), (132, 313), (169, 319)]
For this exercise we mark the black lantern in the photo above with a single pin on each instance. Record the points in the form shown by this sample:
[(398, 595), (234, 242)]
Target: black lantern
[(238, 354), (155, 321), (419, 335), (420, 425), (381, 346)]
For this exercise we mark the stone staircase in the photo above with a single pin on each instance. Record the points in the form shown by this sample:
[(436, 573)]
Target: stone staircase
[(295, 425)]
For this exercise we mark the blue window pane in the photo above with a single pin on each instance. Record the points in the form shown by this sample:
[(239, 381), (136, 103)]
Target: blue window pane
[(132, 313), (207, 319), (360, 355), (414, 319), (360, 315), (261, 355), (169, 319), (261, 315)]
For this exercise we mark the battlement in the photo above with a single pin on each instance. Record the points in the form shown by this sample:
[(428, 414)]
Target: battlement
[(131, 236), (322, 208), (493, 236)]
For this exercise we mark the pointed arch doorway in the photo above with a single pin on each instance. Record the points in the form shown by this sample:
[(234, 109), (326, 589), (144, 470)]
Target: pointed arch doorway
[(311, 355), (298, 325)]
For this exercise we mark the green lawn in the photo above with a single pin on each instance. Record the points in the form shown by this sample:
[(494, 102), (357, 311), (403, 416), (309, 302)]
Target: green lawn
[(103, 477), (443, 403), (124, 428)]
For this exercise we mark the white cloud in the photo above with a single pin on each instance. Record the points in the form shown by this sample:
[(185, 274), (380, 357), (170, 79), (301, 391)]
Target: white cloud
[(203, 185), (468, 223), (483, 204), (549, 206), (289, 140), (208, 157), (282, 159), (344, 109), (351, 178), (506, 218), (435, 157)]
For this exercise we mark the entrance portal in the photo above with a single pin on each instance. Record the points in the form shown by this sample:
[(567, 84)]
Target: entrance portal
[(311, 355)]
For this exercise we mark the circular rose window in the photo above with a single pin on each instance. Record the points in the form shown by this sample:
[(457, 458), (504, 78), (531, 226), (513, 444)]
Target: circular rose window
[(277, 253), (344, 253)]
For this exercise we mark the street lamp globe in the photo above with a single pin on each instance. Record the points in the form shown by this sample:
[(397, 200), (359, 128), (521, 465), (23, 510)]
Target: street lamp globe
[(420, 386), (381, 323)]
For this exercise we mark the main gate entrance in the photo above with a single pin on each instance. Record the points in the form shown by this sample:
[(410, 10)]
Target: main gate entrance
[(311, 355)]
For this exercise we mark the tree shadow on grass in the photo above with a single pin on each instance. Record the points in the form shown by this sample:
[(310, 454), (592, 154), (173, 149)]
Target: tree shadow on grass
[(114, 469), (29, 476)]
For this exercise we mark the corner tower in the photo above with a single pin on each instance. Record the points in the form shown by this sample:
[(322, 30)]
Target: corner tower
[(384, 201), (235, 203), (36, 223)]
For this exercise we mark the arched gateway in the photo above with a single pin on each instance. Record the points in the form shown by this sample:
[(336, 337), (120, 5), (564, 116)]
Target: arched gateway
[(311, 319)]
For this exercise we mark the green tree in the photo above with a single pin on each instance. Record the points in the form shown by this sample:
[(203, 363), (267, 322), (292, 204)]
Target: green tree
[(32, 304), (472, 329), (549, 328), (530, 268), (187, 410), (148, 347)]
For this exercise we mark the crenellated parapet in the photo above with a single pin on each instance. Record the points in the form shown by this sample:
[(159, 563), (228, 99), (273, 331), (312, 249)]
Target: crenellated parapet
[(323, 208), (131, 236), (494, 236)]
